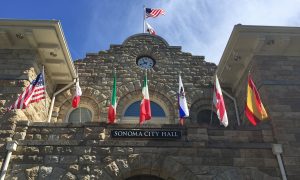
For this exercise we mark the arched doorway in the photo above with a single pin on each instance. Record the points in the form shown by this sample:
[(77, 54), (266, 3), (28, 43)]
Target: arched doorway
[(144, 177)]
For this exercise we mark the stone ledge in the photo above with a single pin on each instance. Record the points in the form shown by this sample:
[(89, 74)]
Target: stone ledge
[(104, 124), (112, 143), (239, 145)]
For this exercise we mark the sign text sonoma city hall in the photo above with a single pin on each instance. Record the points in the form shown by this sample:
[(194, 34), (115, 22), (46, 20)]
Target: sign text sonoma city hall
[(156, 134)]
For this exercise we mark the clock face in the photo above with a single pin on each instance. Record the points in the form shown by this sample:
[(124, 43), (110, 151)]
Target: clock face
[(145, 62)]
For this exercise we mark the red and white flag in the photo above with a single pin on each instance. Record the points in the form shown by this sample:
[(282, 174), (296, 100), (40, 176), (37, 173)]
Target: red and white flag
[(150, 29), (76, 98), (145, 109), (219, 103)]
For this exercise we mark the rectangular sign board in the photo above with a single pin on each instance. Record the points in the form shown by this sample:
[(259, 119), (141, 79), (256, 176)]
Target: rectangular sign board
[(146, 133)]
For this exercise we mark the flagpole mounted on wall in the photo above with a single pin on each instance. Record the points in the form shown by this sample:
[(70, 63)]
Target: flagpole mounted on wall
[(144, 18), (45, 88)]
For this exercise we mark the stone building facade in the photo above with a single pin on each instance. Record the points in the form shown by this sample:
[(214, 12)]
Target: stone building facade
[(67, 147)]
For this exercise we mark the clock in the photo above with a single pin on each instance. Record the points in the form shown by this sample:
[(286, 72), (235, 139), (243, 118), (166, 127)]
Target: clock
[(145, 62)]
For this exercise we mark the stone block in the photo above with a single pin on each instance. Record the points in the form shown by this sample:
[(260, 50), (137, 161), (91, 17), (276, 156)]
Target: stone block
[(113, 169), (74, 168), (270, 162), (33, 159), (29, 137), (69, 176), (37, 137), (87, 159), (32, 173), (292, 170), (68, 159), (45, 172), (19, 136), (17, 158), (47, 149), (57, 173), (197, 137), (246, 162), (51, 159), (291, 161), (67, 136), (80, 150), (31, 150)]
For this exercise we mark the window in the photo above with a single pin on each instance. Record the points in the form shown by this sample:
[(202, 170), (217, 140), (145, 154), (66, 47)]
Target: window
[(80, 114), (134, 110), (132, 114), (204, 118)]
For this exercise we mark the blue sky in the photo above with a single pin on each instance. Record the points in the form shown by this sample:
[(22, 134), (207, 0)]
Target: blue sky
[(201, 27)]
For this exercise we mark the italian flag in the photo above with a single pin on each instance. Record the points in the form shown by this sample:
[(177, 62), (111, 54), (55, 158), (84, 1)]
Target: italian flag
[(145, 109), (113, 106)]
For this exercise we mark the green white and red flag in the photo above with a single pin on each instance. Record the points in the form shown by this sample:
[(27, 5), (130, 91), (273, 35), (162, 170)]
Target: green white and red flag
[(113, 106), (145, 109)]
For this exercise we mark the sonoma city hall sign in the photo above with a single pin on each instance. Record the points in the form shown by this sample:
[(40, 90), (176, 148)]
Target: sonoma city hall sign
[(153, 134)]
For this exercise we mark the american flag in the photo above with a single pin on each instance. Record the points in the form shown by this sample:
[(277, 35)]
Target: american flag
[(154, 12), (33, 93)]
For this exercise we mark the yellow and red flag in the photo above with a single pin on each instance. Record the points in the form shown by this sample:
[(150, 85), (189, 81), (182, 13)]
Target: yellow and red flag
[(254, 108)]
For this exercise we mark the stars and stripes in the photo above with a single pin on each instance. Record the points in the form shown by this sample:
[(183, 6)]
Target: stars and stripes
[(33, 93), (154, 12)]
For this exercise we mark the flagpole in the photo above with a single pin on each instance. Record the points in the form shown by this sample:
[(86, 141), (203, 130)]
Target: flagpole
[(45, 88), (212, 102), (77, 80), (179, 121), (144, 10)]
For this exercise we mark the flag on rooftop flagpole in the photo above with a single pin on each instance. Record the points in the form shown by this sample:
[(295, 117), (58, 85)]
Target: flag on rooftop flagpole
[(112, 110), (219, 103), (145, 109), (254, 108), (33, 93), (182, 104), (150, 29), (154, 12), (78, 93)]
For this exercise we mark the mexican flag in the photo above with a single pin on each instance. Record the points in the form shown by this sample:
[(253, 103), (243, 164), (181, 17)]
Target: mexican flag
[(113, 106), (145, 109)]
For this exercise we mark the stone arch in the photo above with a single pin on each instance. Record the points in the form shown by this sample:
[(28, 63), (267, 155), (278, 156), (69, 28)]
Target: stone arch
[(157, 165), (199, 105), (132, 39), (91, 98), (144, 177)]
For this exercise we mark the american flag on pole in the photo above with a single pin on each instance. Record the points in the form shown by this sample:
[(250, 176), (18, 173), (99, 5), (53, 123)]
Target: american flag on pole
[(154, 12), (33, 93)]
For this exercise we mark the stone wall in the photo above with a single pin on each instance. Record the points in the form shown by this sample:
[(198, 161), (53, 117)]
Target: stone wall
[(18, 68), (96, 73), (277, 79), (86, 151)]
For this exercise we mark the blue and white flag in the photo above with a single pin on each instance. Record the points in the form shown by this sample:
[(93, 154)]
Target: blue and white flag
[(182, 105)]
